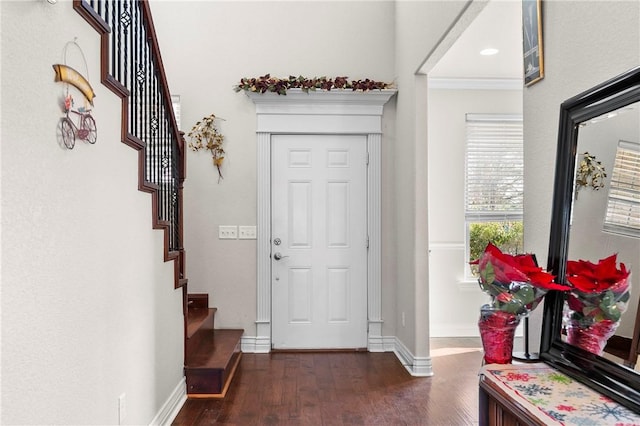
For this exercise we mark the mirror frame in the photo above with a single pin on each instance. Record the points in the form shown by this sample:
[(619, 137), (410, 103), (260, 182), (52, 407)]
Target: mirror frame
[(613, 380)]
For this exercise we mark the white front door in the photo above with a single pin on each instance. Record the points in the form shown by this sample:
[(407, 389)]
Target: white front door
[(319, 241)]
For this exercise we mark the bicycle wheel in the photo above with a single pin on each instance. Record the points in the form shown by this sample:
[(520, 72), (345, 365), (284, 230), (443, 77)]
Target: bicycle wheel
[(90, 124), (68, 135)]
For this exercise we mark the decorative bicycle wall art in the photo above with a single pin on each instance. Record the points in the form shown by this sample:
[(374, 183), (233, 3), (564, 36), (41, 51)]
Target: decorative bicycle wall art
[(86, 128)]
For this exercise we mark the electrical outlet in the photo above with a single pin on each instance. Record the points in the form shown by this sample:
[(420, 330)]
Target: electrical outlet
[(227, 232), (122, 408), (247, 232)]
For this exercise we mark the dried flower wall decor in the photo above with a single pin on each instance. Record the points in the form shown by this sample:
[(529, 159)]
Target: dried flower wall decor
[(266, 83), (206, 135), (590, 172)]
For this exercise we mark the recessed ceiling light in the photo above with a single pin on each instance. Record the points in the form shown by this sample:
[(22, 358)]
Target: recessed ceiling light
[(489, 51)]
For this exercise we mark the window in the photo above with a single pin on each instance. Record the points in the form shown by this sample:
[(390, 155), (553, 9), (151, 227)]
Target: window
[(623, 203), (175, 102), (494, 190)]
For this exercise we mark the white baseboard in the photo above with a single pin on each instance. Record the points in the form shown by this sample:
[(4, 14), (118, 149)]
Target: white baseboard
[(382, 344), (416, 366), (172, 405), (255, 345)]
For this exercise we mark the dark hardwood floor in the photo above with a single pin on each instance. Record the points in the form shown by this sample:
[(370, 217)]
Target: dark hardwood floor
[(345, 388)]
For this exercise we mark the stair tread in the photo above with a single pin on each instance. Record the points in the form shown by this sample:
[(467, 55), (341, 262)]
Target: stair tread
[(196, 317), (216, 352)]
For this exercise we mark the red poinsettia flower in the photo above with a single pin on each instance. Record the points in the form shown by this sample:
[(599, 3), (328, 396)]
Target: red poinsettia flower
[(589, 277), (515, 283), (517, 268), (574, 303)]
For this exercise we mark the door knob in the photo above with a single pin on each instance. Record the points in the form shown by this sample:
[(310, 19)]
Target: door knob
[(278, 256)]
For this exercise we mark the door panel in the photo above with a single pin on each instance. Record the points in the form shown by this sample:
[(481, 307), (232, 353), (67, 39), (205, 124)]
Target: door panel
[(319, 217)]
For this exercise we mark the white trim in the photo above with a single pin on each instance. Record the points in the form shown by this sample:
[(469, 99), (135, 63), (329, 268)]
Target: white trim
[(375, 341), (374, 255), (255, 345), (319, 112), (172, 405), (446, 246), (475, 83), (416, 366), (493, 118)]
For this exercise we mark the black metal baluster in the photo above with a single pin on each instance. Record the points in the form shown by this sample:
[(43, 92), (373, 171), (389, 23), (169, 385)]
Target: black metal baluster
[(142, 77), (163, 153), (147, 114), (156, 141), (174, 190), (128, 29), (152, 74), (165, 156), (166, 162), (152, 146), (114, 39), (169, 168), (118, 30), (133, 90), (166, 167)]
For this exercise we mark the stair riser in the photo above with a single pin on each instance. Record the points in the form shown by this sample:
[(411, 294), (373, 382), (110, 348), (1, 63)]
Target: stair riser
[(200, 338), (210, 381), (205, 331), (198, 300)]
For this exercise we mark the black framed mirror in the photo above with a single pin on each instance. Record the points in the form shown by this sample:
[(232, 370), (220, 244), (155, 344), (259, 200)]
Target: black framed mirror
[(608, 99)]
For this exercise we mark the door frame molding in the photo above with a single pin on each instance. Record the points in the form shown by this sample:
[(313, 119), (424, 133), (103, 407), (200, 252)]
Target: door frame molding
[(322, 113)]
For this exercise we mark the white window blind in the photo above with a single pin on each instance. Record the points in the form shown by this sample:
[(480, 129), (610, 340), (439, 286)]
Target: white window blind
[(623, 203), (494, 188), (175, 102)]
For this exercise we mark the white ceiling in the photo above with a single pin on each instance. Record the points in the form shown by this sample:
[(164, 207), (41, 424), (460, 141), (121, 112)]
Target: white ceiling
[(498, 25)]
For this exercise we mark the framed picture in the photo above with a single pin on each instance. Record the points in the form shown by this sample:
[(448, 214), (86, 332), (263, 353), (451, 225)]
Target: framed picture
[(532, 41)]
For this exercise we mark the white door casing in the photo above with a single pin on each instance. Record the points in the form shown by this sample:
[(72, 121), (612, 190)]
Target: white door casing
[(320, 113), (319, 241)]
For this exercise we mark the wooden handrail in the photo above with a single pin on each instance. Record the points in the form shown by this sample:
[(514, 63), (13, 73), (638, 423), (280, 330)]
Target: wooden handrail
[(131, 67)]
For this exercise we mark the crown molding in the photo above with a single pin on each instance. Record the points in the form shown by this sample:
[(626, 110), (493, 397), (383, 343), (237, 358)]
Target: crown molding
[(316, 111)]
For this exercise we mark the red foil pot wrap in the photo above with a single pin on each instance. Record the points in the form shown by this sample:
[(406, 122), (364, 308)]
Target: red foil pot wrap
[(497, 331), (593, 338)]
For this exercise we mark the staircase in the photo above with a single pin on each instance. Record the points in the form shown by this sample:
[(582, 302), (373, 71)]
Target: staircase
[(131, 67), (211, 355)]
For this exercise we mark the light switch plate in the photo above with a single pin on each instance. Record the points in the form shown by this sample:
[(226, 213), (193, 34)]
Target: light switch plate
[(227, 232), (247, 232)]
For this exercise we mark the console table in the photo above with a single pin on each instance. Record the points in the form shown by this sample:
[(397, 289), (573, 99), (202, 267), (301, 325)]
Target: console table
[(536, 394)]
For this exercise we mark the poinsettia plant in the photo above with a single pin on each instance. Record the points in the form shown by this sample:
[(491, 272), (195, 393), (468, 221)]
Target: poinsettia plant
[(600, 291), (515, 283)]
